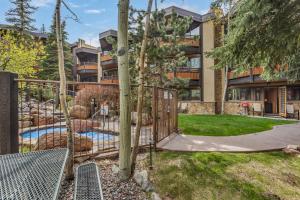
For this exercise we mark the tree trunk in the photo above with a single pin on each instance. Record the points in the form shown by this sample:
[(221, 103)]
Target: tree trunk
[(227, 66), (62, 92), (141, 88), (225, 90), (125, 110)]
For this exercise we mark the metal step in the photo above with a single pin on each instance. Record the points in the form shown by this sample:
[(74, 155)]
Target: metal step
[(87, 183)]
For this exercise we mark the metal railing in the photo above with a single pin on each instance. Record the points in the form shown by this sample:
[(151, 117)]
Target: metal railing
[(94, 112), (110, 78)]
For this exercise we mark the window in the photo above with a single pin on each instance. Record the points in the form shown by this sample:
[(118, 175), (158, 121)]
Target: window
[(194, 62), (88, 79), (257, 94), (245, 94), (239, 94), (293, 94), (194, 32), (190, 94), (195, 94)]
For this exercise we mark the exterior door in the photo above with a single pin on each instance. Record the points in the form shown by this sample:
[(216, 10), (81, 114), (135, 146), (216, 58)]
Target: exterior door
[(282, 101)]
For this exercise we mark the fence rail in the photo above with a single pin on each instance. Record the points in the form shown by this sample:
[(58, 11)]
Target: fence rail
[(94, 112)]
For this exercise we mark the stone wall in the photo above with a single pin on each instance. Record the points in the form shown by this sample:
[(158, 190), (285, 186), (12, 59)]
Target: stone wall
[(236, 108), (197, 107), (296, 104), (232, 108)]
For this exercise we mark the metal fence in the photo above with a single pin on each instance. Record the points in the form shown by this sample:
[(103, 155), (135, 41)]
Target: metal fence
[(94, 111)]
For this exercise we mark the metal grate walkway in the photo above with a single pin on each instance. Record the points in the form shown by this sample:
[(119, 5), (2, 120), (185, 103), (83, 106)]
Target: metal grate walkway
[(35, 175), (87, 185)]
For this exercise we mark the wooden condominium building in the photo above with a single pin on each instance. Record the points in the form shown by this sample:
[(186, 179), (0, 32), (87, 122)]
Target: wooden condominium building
[(247, 93)]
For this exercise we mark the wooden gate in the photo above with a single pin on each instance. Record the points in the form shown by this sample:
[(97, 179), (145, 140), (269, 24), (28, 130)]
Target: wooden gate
[(282, 101), (165, 116)]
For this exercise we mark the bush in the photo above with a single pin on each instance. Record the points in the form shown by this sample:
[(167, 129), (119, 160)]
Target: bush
[(103, 95)]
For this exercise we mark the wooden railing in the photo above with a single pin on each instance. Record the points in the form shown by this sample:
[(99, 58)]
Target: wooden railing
[(187, 41), (185, 72), (106, 58), (109, 80), (87, 66), (255, 71)]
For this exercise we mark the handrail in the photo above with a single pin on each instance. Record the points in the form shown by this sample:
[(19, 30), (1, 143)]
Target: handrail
[(186, 69), (110, 78), (104, 112), (87, 63)]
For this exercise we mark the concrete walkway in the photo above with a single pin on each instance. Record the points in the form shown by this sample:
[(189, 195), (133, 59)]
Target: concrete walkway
[(275, 139)]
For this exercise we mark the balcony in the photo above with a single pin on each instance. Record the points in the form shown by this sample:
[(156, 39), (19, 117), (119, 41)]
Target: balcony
[(109, 80), (185, 72), (87, 67), (255, 71), (108, 62), (106, 58), (188, 41)]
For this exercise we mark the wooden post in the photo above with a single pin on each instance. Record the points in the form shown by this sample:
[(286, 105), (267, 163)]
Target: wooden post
[(176, 110), (169, 112), (154, 115), (9, 140)]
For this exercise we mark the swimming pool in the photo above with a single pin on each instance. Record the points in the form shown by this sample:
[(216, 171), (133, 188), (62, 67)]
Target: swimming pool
[(34, 134)]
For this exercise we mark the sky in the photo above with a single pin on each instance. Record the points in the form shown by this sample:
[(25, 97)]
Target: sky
[(95, 16)]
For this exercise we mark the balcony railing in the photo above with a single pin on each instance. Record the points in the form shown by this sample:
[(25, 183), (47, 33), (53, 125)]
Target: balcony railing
[(106, 58), (255, 71), (88, 63), (185, 72), (186, 69), (109, 80), (188, 40), (87, 67)]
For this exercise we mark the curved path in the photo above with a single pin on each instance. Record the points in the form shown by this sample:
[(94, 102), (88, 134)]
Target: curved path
[(275, 139)]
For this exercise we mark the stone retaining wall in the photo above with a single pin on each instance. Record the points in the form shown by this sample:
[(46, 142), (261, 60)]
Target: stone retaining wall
[(197, 107), (235, 107), (296, 104), (231, 107)]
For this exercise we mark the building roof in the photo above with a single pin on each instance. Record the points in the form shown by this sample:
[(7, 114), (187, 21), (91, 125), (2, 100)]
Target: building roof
[(186, 13), (110, 32)]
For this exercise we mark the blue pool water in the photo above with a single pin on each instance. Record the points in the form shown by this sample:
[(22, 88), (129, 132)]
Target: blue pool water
[(34, 134)]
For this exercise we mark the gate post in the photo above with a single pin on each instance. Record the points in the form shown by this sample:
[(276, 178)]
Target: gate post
[(8, 113), (154, 115), (176, 110)]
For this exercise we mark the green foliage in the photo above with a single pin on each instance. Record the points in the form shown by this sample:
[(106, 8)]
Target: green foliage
[(20, 53), (42, 93), (225, 125), (263, 33), (164, 52), (20, 15), (50, 63), (181, 85)]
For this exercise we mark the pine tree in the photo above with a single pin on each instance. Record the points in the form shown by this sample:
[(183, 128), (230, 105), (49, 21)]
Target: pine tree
[(263, 33), (20, 15), (49, 65)]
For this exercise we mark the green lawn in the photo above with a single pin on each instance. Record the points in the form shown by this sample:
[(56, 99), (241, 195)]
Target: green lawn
[(226, 176), (225, 125)]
